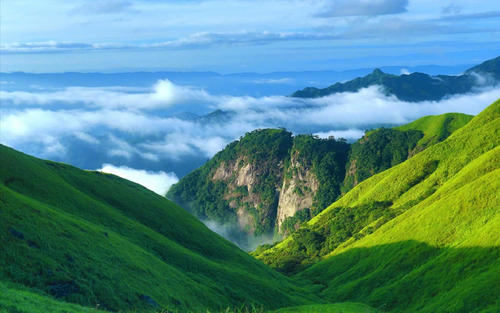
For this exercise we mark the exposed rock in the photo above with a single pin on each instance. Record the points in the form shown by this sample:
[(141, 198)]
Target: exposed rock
[(297, 193)]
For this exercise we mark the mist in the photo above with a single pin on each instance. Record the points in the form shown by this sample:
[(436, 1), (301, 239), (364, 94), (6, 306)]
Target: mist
[(166, 127), (234, 234)]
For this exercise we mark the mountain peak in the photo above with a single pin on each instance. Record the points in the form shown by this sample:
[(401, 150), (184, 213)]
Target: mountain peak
[(378, 72)]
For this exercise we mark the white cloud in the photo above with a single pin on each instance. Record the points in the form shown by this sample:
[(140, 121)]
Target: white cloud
[(337, 8), (194, 40), (103, 7), (349, 134), (162, 95), (284, 80), (139, 131), (405, 71), (158, 182)]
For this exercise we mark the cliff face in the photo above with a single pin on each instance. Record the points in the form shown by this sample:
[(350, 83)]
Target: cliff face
[(239, 187), (297, 193), (245, 180), (270, 182), (257, 183)]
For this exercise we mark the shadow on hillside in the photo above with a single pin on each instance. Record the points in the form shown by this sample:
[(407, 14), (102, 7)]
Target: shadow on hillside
[(412, 276)]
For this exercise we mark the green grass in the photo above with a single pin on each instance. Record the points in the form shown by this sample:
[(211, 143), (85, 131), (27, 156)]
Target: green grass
[(70, 237), (13, 300), (329, 308), (91, 238), (440, 252), (436, 127)]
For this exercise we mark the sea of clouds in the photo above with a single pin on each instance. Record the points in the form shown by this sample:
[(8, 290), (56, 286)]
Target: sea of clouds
[(155, 135)]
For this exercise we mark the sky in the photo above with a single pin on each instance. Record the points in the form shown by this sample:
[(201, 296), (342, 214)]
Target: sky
[(244, 35), (153, 130), (131, 134)]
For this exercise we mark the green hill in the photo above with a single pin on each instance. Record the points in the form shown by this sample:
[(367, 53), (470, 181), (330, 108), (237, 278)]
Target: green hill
[(329, 308), (436, 128), (416, 86), (256, 182), (14, 300), (270, 182), (383, 148), (419, 237), (98, 240)]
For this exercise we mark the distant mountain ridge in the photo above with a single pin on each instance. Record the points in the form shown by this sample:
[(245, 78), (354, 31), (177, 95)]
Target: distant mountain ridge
[(415, 87)]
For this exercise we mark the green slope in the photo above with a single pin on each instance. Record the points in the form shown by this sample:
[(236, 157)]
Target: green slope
[(329, 308), (92, 238), (436, 128), (270, 181), (383, 148), (14, 300), (421, 237)]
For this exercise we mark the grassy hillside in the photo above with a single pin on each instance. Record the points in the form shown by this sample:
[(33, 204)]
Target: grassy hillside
[(271, 182), (14, 300), (436, 128), (96, 239), (329, 308), (419, 237), (383, 148)]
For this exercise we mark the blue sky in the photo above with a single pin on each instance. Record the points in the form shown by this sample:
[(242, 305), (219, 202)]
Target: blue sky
[(244, 35)]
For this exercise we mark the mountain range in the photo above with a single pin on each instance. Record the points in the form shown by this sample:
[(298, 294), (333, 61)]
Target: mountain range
[(421, 236), (416, 86), (405, 219)]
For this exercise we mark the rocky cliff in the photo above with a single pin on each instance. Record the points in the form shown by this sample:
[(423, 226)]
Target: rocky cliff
[(258, 182), (269, 182)]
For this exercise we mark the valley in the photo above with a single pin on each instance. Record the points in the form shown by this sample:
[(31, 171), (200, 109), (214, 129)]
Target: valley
[(419, 236)]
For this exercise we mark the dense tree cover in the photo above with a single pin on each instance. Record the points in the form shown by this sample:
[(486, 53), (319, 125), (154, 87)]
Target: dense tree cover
[(269, 152), (336, 166), (311, 242), (210, 199), (378, 151), (489, 67), (413, 87), (326, 158), (291, 223)]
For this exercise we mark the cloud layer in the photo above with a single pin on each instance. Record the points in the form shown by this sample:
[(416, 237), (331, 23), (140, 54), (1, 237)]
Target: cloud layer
[(158, 182), (150, 128), (337, 8)]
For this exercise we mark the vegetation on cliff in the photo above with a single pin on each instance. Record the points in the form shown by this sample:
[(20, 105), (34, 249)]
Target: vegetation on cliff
[(429, 240)]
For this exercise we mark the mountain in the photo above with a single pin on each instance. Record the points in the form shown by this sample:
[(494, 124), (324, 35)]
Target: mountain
[(415, 87), (383, 148), (252, 185), (94, 239), (269, 182), (490, 68), (421, 236)]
